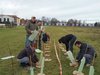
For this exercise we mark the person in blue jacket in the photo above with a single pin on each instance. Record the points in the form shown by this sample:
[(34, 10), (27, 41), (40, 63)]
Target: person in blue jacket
[(86, 51), (69, 41)]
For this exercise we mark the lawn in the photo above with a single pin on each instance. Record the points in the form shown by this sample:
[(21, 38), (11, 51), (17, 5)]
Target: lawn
[(12, 41)]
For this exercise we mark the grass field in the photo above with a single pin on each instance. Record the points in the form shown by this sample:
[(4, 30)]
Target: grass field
[(12, 41)]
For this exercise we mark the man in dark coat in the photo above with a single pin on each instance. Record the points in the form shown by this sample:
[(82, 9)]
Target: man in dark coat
[(27, 56), (68, 40), (86, 51)]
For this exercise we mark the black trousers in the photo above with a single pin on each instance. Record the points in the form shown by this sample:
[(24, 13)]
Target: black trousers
[(69, 45), (34, 58)]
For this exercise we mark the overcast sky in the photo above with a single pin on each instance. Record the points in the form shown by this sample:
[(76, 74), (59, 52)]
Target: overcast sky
[(60, 9)]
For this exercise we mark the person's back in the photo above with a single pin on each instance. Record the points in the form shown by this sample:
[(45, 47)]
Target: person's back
[(45, 37), (90, 50), (87, 49), (68, 40), (69, 37), (22, 54), (65, 39), (26, 52)]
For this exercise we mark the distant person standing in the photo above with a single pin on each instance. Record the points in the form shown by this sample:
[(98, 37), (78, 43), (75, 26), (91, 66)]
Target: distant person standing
[(30, 27), (68, 40)]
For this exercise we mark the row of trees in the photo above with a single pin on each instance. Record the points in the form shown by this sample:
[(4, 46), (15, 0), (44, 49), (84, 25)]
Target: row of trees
[(70, 22), (56, 22), (97, 24)]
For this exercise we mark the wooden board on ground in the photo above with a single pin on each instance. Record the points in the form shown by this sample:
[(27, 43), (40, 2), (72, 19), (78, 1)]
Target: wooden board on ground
[(47, 51), (46, 48), (47, 55), (40, 74)]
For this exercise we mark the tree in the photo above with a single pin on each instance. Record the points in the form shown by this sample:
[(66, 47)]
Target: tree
[(70, 22), (44, 20), (97, 24), (54, 21)]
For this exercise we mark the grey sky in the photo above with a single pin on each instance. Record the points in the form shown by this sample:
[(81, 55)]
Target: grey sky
[(60, 9)]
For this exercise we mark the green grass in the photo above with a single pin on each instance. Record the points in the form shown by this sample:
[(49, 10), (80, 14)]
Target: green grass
[(12, 40)]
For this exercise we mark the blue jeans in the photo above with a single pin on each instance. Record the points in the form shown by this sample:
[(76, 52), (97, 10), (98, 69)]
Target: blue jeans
[(88, 58), (27, 42), (24, 60)]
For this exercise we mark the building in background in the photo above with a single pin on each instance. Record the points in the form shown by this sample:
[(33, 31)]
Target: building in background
[(9, 19)]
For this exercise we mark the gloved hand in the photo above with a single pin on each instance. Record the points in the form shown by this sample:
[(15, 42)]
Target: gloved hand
[(32, 31)]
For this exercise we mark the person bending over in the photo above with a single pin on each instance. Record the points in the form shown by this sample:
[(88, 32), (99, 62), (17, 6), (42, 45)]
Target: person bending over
[(68, 40), (86, 51)]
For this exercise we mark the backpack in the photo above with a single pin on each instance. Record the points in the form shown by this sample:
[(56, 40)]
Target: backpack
[(45, 38)]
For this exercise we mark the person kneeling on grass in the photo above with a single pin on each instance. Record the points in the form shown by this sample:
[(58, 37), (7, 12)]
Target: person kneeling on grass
[(27, 56), (86, 51), (69, 41)]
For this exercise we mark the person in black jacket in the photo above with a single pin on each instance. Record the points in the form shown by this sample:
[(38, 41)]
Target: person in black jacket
[(68, 40), (86, 51), (45, 37), (27, 56)]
